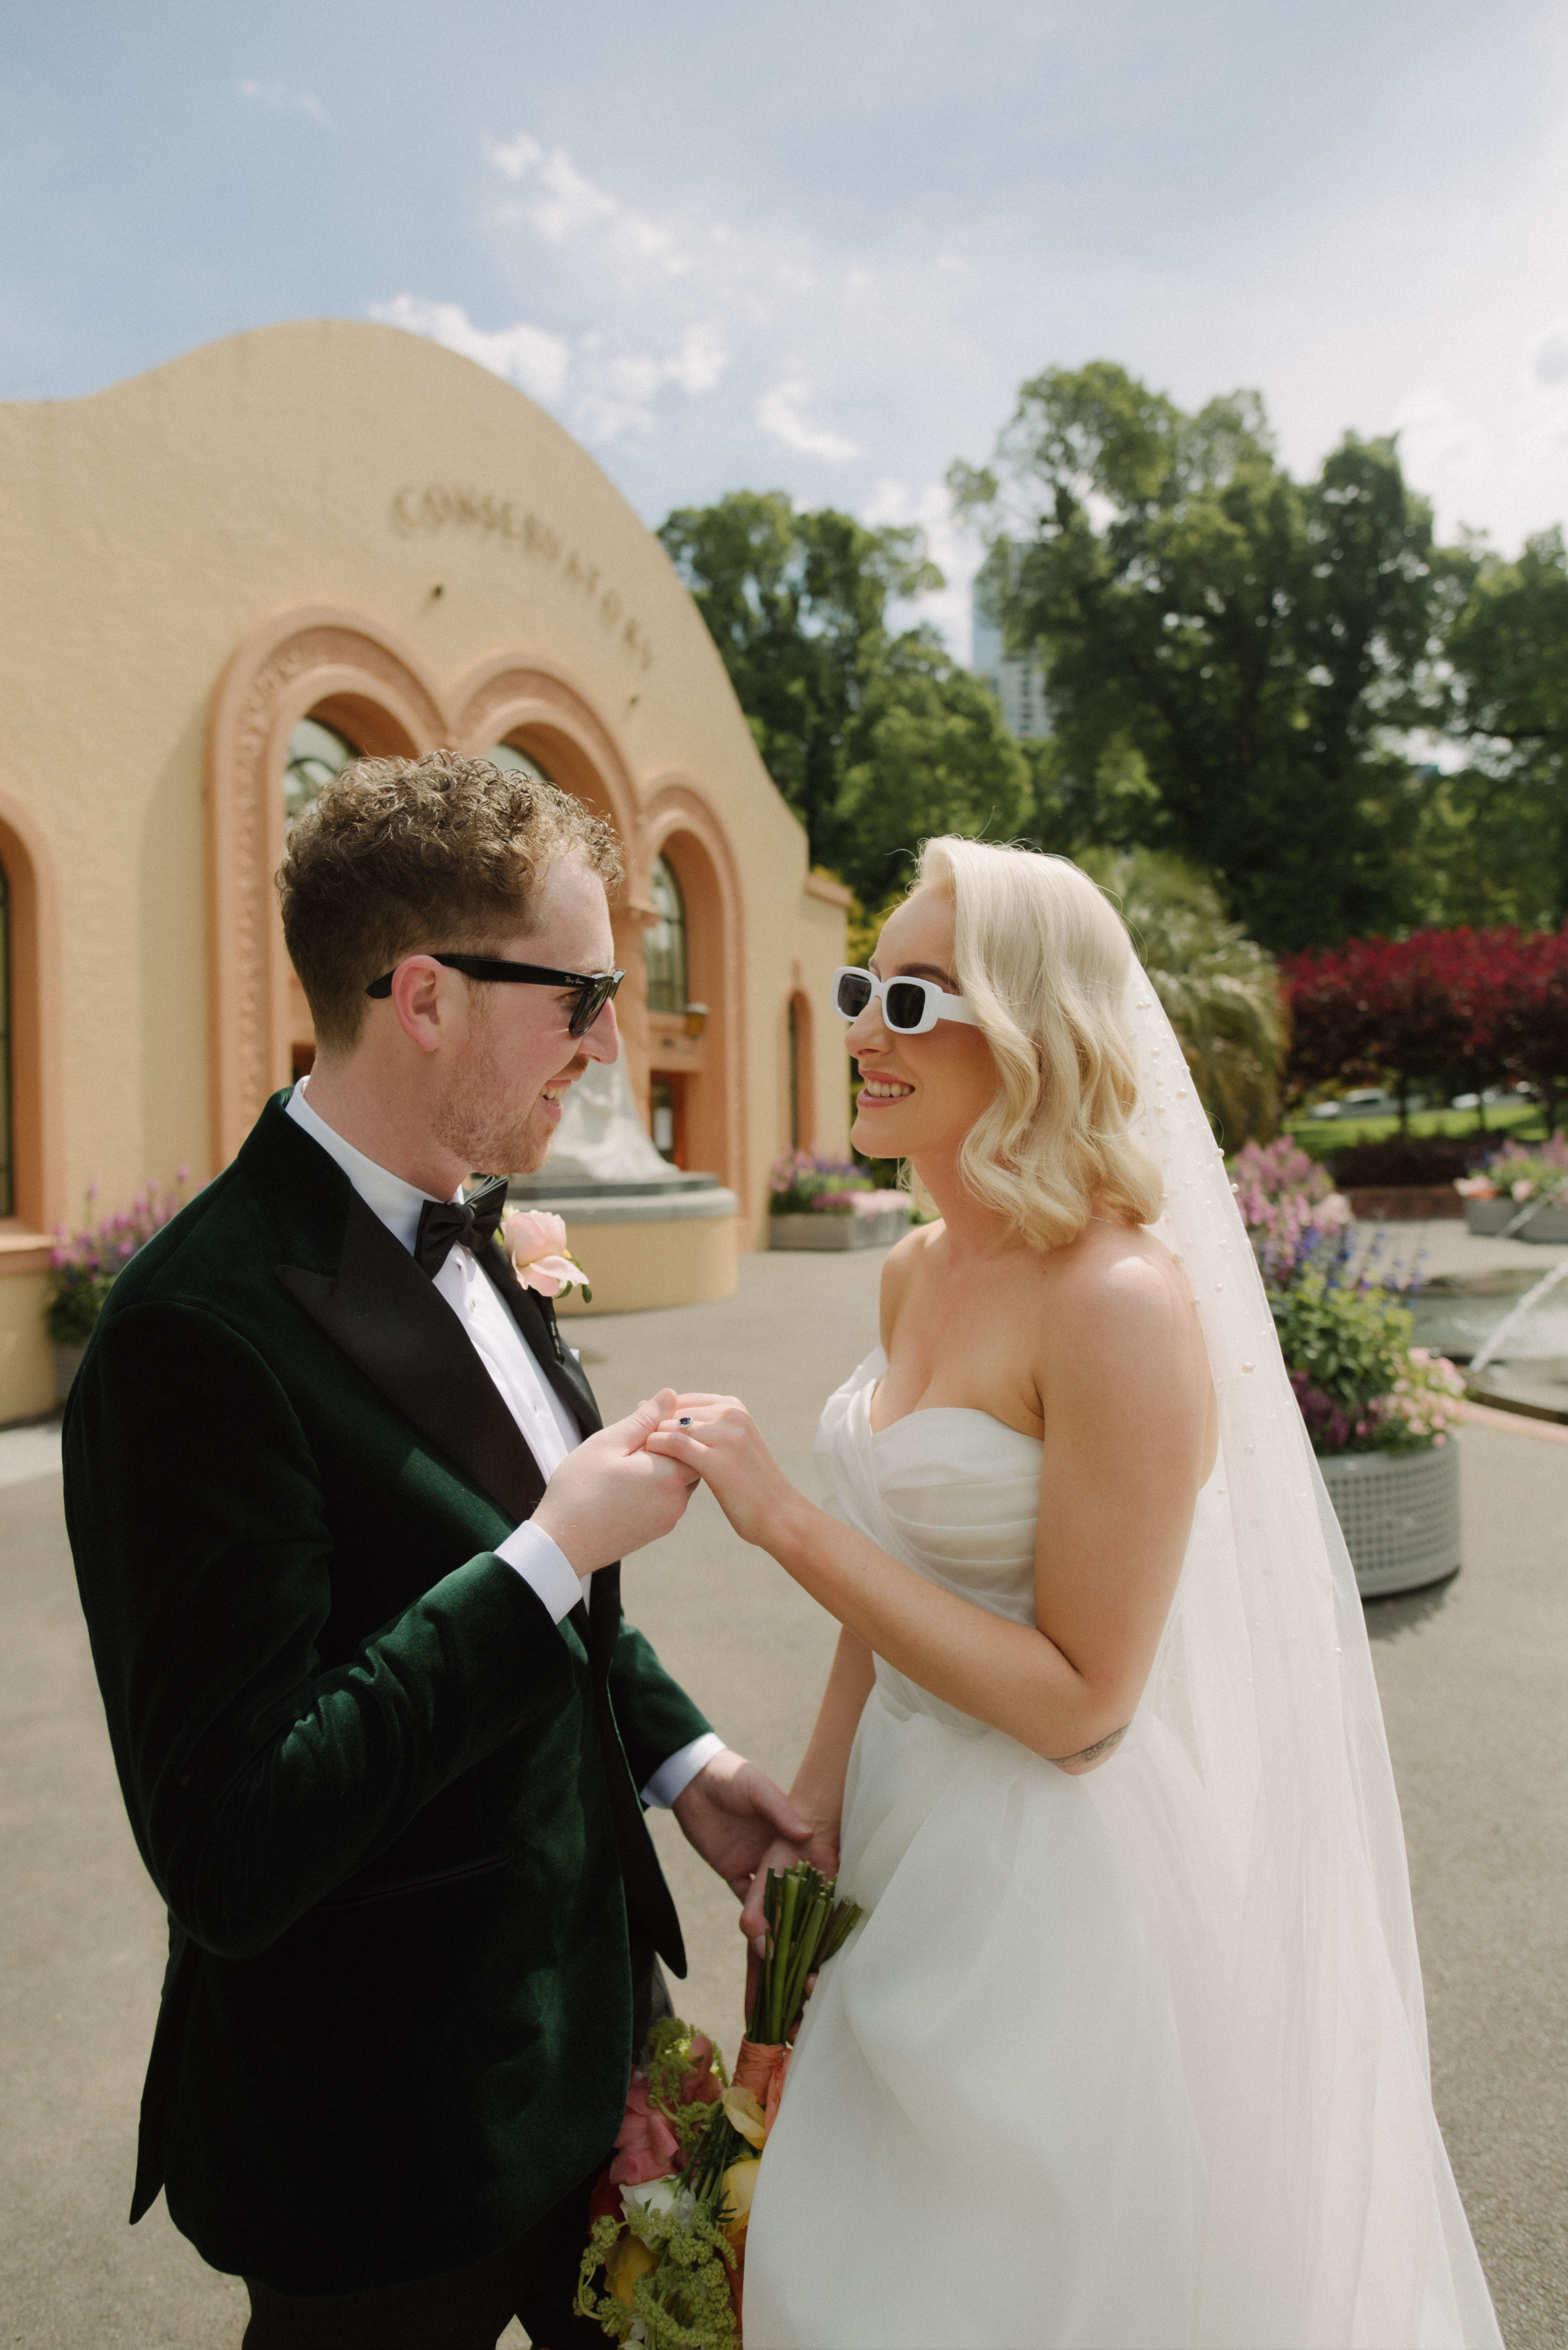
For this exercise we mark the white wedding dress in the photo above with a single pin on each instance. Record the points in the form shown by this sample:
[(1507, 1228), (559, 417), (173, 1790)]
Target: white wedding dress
[(1135, 2060)]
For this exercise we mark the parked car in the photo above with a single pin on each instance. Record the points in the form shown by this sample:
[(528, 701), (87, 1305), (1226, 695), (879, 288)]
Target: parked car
[(1364, 1101)]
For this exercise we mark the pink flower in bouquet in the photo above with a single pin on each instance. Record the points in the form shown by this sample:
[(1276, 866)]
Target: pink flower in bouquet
[(702, 2085), (646, 2146), (536, 1243)]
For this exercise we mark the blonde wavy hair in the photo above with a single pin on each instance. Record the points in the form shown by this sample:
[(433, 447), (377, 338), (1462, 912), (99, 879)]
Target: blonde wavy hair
[(1046, 962)]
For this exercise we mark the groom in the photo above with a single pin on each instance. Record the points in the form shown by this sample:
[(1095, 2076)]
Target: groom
[(347, 1530)]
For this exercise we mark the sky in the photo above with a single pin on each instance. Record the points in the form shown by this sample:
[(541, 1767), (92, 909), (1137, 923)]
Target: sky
[(818, 246)]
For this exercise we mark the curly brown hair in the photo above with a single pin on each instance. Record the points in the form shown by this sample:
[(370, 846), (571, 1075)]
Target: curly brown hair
[(400, 854)]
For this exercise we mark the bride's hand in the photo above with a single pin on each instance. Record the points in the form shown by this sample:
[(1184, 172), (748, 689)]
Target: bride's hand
[(820, 1848), (716, 1437)]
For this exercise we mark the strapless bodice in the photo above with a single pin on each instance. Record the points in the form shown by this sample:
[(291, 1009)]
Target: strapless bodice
[(954, 1493)]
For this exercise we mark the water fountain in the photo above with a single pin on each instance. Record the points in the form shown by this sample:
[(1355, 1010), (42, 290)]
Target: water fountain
[(1506, 1326)]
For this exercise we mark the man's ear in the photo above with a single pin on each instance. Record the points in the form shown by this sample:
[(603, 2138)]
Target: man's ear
[(424, 1002)]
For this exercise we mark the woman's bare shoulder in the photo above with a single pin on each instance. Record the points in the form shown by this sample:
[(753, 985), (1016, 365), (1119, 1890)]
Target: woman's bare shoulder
[(1115, 1286), (901, 1271)]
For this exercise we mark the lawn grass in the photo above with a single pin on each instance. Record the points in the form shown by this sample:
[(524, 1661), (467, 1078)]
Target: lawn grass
[(1320, 1137)]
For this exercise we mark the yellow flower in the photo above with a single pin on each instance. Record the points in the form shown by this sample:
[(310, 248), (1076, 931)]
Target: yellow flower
[(740, 2186), (630, 2259), (746, 2115)]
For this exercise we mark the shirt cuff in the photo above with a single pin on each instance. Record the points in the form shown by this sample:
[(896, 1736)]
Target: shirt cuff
[(673, 1777), (545, 1569)]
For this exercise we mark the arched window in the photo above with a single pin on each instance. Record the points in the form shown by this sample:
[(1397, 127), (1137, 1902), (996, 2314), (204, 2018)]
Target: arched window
[(664, 943), (521, 763), (7, 1179), (316, 754)]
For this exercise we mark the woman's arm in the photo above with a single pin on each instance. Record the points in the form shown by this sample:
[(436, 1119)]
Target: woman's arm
[(818, 1788), (817, 1792), (1125, 1391)]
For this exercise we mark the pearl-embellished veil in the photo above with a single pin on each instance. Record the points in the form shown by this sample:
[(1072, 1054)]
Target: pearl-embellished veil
[(1331, 2214)]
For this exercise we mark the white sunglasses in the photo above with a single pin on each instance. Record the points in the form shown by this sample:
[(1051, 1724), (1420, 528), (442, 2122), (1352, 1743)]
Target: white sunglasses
[(910, 1007)]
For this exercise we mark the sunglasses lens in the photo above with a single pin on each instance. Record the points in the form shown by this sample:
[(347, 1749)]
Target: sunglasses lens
[(590, 1003), (854, 993), (904, 1002)]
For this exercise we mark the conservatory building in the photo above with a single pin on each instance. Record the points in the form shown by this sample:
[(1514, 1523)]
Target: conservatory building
[(223, 580)]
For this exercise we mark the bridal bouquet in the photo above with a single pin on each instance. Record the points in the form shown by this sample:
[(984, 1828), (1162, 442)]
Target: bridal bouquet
[(670, 2214)]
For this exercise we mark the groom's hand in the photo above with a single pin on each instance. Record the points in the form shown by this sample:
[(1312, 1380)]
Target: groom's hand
[(733, 1814), (611, 1495)]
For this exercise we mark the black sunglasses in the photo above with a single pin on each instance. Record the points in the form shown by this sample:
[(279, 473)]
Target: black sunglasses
[(593, 989)]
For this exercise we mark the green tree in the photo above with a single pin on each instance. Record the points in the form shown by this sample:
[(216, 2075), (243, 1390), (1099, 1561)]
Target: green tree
[(1219, 989), (1226, 649), (875, 739), (1494, 838)]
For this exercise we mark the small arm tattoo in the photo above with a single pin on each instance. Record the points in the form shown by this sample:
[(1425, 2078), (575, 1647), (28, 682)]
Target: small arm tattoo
[(1093, 1753)]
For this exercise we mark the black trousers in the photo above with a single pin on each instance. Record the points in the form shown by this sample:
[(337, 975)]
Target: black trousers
[(534, 2279)]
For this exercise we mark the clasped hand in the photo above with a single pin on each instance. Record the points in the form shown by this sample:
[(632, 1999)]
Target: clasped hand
[(716, 1437), (628, 1485), (612, 1494)]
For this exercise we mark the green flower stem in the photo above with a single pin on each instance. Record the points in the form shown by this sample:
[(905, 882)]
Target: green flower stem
[(805, 1930)]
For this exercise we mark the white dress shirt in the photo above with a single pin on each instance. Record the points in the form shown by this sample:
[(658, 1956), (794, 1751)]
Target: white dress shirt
[(547, 1426)]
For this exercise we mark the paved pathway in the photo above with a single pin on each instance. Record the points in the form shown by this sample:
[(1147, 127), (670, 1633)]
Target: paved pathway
[(1473, 1682)]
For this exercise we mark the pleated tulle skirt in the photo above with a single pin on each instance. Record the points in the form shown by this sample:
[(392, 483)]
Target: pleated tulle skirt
[(986, 2137)]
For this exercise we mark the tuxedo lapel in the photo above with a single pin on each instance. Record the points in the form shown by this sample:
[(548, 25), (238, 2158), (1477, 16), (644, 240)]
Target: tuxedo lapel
[(388, 1319), (648, 1904), (535, 1317)]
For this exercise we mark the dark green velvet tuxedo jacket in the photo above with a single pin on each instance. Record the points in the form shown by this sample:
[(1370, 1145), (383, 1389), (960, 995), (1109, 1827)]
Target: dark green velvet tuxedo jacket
[(361, 1761)]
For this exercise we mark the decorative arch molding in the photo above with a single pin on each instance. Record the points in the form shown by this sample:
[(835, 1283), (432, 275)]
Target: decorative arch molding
[(507, 700), (312, 658), (37, 1048), (797, 1064), (340, 666), (513, 698), (678, 823)]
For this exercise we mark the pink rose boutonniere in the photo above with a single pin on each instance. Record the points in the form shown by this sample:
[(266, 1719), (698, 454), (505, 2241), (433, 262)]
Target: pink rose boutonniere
[(536, 1243)]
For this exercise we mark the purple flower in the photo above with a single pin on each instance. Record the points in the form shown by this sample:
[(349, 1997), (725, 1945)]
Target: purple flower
[(1326, 1425)]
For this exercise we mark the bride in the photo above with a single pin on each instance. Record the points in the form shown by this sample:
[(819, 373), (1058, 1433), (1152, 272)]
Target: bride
[(1129, 2052)]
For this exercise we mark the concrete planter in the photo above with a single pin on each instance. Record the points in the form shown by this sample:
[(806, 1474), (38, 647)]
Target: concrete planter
[(838, 1231), (68, 1363), (1548, 1225), (1399, 1513)]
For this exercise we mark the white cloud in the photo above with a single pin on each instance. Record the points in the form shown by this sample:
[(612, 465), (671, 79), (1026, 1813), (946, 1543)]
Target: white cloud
[(778, 414), (955, 552), (622, 388), (532, 358), (570, 205), (1548, 357), (283, 100), (614, 391), (515, 158), (700, 361), (1432, 433)]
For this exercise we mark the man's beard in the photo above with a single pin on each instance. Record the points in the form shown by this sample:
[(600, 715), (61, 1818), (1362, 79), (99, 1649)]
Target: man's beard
[(474, 1123)]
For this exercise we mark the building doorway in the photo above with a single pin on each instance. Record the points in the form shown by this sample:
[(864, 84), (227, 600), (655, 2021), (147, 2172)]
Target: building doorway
[(667, 1119)]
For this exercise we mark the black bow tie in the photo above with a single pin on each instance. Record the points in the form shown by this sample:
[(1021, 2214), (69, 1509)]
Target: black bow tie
[(472, 1223)]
